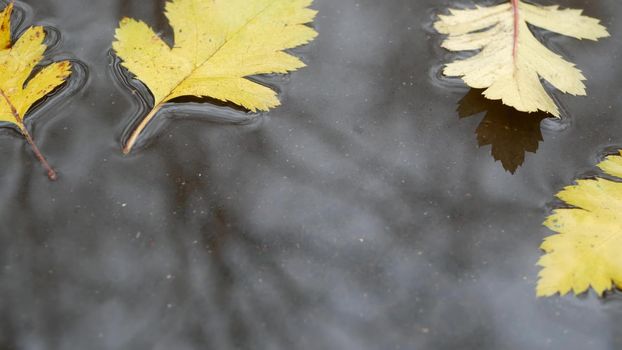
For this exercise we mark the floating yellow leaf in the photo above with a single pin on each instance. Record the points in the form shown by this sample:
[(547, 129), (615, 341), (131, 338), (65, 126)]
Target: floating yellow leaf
[(19, 88), (218, 43), (586, 252), (511, 61)]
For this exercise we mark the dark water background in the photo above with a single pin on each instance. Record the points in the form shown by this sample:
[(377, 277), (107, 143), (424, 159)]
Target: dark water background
[(359, 215)]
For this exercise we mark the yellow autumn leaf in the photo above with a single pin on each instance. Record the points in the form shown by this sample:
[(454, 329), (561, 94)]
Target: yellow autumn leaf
[(586, 251), (218, 44), (20, 89), (511, 61)]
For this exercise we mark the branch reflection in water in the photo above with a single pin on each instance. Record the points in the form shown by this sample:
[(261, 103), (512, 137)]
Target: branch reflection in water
[(509, 132)]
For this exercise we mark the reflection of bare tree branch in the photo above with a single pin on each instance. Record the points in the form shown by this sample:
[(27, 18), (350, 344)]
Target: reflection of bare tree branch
[(511, 133)]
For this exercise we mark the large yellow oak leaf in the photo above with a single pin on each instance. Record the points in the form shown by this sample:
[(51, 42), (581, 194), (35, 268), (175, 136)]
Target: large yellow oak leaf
[(511, 61), (218, 44), (586, 251), (20, 87)]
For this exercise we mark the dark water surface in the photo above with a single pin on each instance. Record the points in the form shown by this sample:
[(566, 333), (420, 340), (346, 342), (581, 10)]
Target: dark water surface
[(359, 215)]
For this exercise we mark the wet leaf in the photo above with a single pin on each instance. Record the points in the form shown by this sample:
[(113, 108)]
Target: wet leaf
[(586, 251), (20, 87), (218, 44), (511, 61)]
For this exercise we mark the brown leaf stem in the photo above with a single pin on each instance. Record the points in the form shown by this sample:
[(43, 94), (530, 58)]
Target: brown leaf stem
[(51, 173), (139, 129), (20, 123)]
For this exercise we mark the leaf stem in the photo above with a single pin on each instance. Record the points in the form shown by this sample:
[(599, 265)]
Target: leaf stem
[(515, 7), (51, 173), (20, 123), (139, 129)]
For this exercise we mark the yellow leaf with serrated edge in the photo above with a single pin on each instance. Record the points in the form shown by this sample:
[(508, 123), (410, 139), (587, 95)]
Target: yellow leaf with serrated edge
[(20, 86), (5, 27), (218, 44), (586, 251), (511, 61)]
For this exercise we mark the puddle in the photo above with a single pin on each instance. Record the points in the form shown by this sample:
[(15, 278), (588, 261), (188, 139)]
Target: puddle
[(362, 214)]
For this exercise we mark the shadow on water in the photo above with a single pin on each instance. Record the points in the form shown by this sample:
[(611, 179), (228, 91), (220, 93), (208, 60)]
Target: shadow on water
[(509, 132)]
